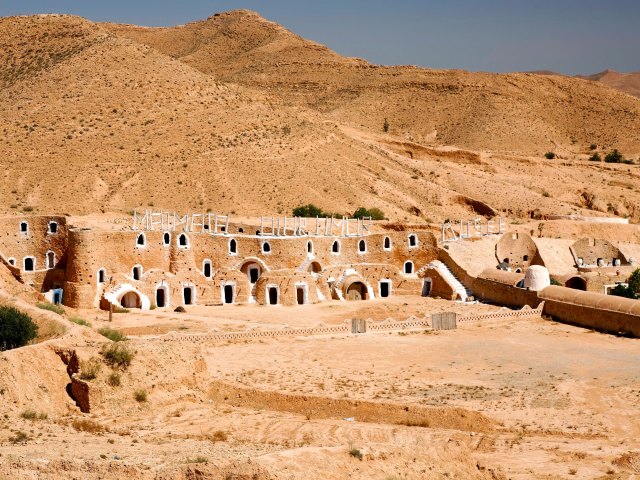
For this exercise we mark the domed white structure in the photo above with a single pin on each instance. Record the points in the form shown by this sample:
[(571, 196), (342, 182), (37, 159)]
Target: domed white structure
[(536, 278)]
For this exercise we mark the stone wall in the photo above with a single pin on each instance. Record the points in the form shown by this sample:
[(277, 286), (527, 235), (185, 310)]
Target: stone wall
[(592, 310)]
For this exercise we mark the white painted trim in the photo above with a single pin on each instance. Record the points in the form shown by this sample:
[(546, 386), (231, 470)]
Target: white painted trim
[(49, 232), (144, 240), (305, 292), (266, 297), (417, 243), (205, 262), (23, 232), (168, 242), (162, 286), (309, 243), (231, 284), (232, 253), (380, 282), (104, 270), (145, 304), (24, 262), (404, 267), (11, 261), (193, 293), (184, 247), (141, 272), (265, 242)]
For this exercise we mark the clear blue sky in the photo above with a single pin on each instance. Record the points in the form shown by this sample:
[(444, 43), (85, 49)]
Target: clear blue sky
[(568, 36)]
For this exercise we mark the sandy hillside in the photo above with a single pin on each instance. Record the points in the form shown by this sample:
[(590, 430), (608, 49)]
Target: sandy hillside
[(237, 114), (513, 112), (625, 82)]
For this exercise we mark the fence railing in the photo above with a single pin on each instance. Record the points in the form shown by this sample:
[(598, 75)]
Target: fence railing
[(356, 326)]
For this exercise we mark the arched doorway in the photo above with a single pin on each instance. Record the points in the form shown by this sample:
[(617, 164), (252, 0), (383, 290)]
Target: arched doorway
[(253, 269), (314, 267), (356, 291), (577, 283), (272, 295), (161, 297), (131, 300)]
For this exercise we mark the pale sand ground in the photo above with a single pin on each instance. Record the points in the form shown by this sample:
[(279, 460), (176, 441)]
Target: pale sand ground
[(563, 399)]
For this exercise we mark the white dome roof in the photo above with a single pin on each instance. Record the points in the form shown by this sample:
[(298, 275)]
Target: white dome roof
[(536, 278)]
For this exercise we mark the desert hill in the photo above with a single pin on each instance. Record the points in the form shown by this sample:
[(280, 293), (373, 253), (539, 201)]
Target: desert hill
[(237, 114), (625, 82), (512, 112)]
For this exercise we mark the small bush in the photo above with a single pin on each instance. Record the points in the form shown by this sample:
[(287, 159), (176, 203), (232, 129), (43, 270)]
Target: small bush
[(356, 453), (79, 321), (614, 157), (595, 157), (30, 414), (27, 209), (553, 281), (374, 213), (119, 309), (117, 355), (19, 437), (16, 328), (549, 155), (219, 436), (593, 146), (114, 379), (89, 369), (545, 194), (309, 210), (198, 459), (85, 425), (140, 395), (51, 307), (111, 334), (385, 125)]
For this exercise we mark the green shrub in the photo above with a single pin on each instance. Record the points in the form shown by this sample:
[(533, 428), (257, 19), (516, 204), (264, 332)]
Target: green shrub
[(634, 281), (550, 155), (79, 321), (111, 334), (633, 288), (309, 210), (16, 328), (30, 414), (140, 395), (356, 453), (614, 157), (385, 125), (117, 355), (51, 307), (19, 437), (89, 369), (595, 157), (553, 281), (593, 146), (622, 291), (114, 379), (374, 213), (198, 459)]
